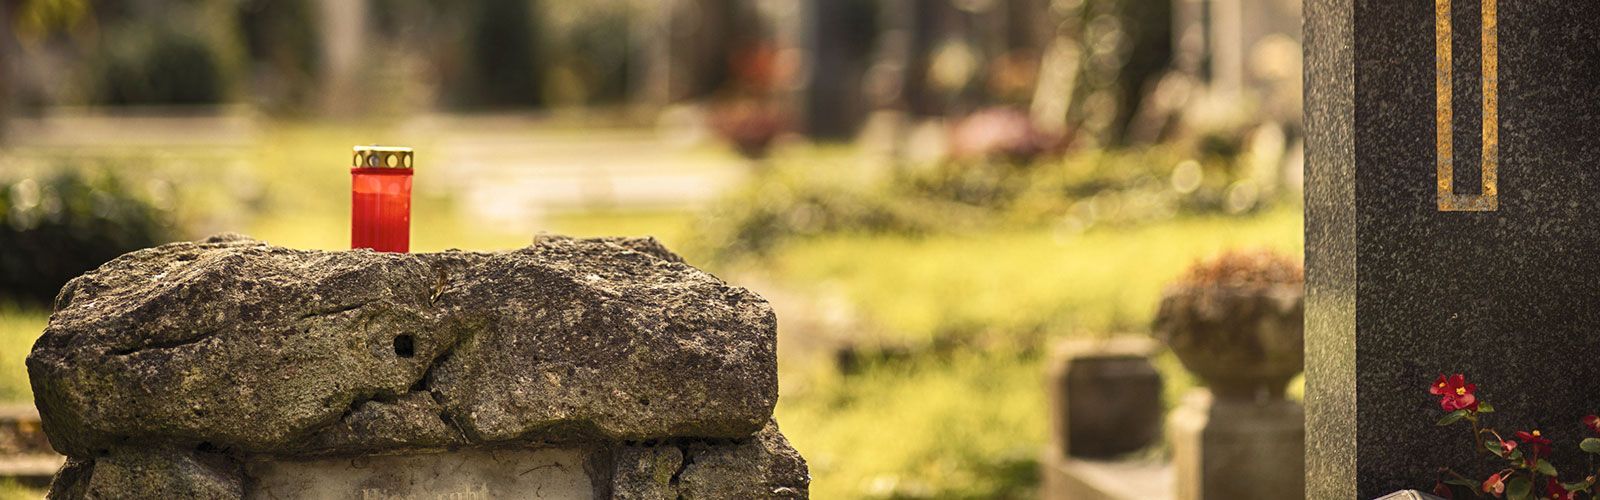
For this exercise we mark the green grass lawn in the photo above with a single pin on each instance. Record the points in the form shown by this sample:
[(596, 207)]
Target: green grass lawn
[(18, 329), (1097, 282), (971, 425)]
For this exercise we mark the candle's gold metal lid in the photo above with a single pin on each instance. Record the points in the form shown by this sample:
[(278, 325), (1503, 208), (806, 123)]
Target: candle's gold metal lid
[(381, 157)]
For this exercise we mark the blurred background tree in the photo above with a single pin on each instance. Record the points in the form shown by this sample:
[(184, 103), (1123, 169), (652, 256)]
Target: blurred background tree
[(285, 51), (506, 66)]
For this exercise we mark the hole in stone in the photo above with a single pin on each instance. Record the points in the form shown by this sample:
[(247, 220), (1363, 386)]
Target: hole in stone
[(644, 401), (405, 346)]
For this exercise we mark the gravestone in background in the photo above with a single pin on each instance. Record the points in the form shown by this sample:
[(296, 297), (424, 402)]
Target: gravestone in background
[(229, 368), (1453, 225)]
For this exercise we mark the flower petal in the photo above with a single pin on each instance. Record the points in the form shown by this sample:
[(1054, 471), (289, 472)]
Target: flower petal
[(1438, 387)]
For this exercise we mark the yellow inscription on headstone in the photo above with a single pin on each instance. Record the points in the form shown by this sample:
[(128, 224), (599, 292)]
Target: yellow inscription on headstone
[(1488, 200)]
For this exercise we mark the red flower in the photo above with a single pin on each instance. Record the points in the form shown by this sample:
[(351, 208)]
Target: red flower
[(1507, 446), (1555, 491), (1439, 386), (1538, 445), (1496, 484), (1592, 422), (1454, 393)]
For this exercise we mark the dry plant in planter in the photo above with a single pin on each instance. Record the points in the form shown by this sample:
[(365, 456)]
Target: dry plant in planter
[(1237, 322)]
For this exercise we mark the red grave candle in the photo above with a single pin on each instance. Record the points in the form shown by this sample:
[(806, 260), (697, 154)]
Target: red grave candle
[(380, 199)]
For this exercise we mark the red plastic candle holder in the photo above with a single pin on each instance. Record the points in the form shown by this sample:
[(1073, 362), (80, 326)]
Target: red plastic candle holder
[(380, 199)]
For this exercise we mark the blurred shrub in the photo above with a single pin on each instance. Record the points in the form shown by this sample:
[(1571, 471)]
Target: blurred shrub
[(749, 125), (788, 201), (1089, 189), (1240, 267), (1006, 134), (592, 53), (56, 227), (155, 64)]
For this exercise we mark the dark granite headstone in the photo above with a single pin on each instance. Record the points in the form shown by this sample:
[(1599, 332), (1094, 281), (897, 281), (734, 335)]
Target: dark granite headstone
[(1430, 253)]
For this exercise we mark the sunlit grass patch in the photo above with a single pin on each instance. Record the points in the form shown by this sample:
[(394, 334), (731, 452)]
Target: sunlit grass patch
[(965, 427), (971, 423), (19, 327), (11, 490), (1100, 281)]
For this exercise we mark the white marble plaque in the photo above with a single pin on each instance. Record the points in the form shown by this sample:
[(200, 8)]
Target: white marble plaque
[(462, 475)]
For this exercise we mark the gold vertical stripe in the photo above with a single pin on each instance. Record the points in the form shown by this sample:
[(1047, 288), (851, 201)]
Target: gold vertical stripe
[(1444, 116), (1442, 113), (1491, 105)]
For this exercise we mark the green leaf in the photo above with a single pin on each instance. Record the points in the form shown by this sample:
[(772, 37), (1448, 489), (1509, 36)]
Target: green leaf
[(1494, 447), (1452, 417), (1518, 488), (1545, 468), (1577, 486), (1485, 407), (1515, 455), (1464, 482), (1590, 445)]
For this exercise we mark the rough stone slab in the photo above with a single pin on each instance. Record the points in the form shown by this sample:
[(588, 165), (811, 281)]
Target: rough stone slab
[(150, 473), (534, 473), (763, 466), (234, 345)]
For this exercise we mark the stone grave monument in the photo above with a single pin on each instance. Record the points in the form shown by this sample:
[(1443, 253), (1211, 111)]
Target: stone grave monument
[(1105, 408), (1452, 226), (598, 368)]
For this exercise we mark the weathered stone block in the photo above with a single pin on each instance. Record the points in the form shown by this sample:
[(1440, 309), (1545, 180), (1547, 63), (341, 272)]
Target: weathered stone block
[(155, 473), (762, 467), (234, 349)]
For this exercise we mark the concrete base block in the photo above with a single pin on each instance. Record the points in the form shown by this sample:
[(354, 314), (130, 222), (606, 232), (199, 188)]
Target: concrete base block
[(1237, 450), (1066, 478)]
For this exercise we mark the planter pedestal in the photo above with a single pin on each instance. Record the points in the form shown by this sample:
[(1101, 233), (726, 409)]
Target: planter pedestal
[(1237, 449)]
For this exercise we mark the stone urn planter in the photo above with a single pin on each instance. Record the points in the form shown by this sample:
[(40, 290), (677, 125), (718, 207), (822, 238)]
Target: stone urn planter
[(1238, 323)]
